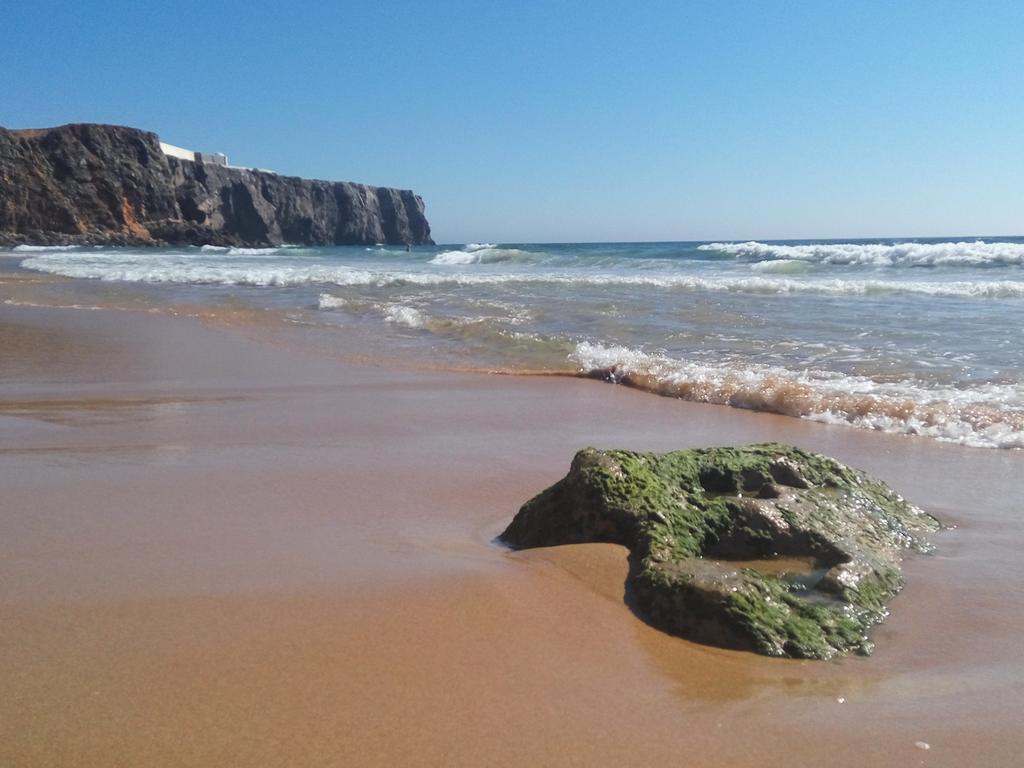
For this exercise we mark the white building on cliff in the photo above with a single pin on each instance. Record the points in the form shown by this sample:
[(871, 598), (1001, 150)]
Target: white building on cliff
[(211, 158)]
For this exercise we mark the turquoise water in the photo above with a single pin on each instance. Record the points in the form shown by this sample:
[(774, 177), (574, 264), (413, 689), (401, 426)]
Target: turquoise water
[(918, 336)]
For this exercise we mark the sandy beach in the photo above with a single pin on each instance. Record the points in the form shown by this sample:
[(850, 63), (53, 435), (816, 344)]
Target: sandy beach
[(218, 549)]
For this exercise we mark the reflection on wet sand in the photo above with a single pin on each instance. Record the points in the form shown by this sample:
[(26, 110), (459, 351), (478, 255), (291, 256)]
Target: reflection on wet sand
[(96, 411)]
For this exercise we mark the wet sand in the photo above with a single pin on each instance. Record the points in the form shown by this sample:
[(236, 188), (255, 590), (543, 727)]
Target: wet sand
[(218, 551)]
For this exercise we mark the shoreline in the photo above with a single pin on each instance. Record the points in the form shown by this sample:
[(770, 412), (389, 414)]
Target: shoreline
[(924, 379), (217, 549)]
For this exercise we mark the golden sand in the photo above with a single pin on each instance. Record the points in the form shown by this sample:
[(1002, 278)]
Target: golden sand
[(271, 558)]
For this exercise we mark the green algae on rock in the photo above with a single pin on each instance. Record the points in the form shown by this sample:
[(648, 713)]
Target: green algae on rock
[(767, 547)]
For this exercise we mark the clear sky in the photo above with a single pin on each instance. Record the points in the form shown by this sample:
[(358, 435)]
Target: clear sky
[(563, 121)]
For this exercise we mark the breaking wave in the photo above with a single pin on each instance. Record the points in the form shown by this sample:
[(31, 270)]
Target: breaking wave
[(326, 301), (254, 251), (976, 253), (477, 253), (985, 416), (239, 251), (153, 269), (780, 267), (400, 314)]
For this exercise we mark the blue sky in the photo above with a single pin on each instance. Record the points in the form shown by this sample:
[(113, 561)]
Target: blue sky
[(559, 121)]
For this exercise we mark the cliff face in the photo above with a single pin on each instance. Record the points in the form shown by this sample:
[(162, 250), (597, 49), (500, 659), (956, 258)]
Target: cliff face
[(265, 207), (104, 184)]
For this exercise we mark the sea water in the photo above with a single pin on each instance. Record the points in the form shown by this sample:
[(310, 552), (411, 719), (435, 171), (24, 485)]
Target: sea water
[(920, 336)]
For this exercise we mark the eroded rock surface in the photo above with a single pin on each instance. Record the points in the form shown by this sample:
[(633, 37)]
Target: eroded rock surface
[(766, 547), (112, 185)]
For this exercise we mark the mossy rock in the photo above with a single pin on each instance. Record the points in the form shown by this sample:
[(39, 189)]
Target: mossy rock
[(766, 547)]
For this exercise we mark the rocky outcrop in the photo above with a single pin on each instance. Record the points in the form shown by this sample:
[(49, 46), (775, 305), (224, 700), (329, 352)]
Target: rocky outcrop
[(104, 184), (766, 548)]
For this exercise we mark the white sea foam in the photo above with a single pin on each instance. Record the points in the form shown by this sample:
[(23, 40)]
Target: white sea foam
[(236, 251), (178, 268), (392, 312), (403, 315), (973, 253), (478, 246), (31, 248), (227, 251), (327, 301), (987, 416)]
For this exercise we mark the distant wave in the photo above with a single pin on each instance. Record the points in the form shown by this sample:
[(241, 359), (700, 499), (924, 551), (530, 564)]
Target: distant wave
[(238, 251), (986, 416), (30, 248), (781, 267), (456, 257), (477, 253), (255, 251), (146, 268), (976, 253)]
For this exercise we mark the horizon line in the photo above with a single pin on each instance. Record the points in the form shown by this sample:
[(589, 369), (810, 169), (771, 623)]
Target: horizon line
[(906, 238)]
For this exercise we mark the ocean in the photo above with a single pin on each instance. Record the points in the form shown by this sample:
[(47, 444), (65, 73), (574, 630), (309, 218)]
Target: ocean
[(919, 337)]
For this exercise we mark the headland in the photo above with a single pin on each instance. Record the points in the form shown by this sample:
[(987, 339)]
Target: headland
[(92, 184)]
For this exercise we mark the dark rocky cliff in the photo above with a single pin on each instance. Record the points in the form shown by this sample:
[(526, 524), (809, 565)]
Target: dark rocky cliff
[(105, 184)]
